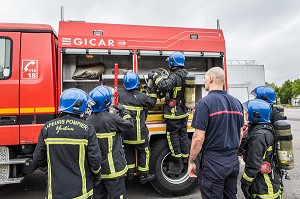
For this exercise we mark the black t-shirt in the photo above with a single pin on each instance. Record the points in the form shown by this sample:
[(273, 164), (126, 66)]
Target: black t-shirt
[(221, 117)]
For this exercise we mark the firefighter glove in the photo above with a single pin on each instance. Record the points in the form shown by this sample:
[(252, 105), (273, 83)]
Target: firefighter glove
[(29, 167), (152, 75), (246, 189), (96, 180), (120, 108), (152, 90)]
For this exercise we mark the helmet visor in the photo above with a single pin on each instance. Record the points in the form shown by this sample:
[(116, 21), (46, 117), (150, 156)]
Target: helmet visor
[(91, 102), (245, 105), (253, 92)]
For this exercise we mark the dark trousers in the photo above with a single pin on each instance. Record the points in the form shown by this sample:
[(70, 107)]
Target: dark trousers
[(177, 137), (218, 175), (112, 189), (143, 157)]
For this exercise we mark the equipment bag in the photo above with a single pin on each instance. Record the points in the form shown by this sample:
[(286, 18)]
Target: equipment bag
[(89, 71)]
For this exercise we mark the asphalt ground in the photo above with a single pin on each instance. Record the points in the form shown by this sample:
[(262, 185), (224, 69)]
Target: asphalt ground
[(34, 185)]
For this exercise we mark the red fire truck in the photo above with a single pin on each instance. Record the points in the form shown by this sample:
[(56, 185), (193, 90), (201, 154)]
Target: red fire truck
[(36, 65)]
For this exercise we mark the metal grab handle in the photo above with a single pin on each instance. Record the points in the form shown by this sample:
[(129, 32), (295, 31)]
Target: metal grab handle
[(8, 120), (80, 83)]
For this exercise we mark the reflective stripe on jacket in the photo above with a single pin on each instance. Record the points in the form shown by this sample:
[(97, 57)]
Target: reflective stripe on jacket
[(109, 128), (68, 146), (137, 104), (260, 148)]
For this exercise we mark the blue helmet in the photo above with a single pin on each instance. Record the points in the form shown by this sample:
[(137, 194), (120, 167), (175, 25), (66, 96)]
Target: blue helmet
[(101, 96), (131, 80), (73, 100), (265, 93), (259, 111), (176, 59)]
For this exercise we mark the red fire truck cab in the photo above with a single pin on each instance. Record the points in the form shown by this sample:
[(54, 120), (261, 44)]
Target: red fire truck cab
[(36, 65)]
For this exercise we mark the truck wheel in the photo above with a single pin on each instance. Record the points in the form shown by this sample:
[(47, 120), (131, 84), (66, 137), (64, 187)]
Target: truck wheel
[(167, 183)]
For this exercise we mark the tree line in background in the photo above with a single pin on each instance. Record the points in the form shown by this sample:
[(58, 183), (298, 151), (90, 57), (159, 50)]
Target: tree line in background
[(287, 91)]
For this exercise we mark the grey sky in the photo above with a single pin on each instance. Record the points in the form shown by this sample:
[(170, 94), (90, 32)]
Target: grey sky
[(266, 31)]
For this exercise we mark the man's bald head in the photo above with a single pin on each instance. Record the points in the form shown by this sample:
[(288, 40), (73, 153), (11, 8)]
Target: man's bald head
[(218, 74), (214, 79)]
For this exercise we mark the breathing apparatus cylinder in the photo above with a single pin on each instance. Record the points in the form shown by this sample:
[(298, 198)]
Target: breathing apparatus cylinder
[(281, 110), (190, 91), (283, 137)]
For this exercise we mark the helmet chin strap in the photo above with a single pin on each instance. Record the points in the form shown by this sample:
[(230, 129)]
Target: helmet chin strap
[(76, 110), (173, 68), (253, 122)]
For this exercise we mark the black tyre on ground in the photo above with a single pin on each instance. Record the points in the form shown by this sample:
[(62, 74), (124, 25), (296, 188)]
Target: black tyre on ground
[(167, 182)]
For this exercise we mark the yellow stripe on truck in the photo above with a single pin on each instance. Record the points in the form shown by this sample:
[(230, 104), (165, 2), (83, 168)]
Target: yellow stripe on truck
[(9, 110), (37, 110), (44, 109), (160, 117), (159, 129), (27, 110), (154, 117), (190, 117)]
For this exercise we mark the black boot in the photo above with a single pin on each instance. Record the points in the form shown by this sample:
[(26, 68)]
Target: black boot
[(175, 166), (146, 178)]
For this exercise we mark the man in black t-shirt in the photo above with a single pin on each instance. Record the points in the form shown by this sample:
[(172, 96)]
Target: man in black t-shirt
[(218, 122)]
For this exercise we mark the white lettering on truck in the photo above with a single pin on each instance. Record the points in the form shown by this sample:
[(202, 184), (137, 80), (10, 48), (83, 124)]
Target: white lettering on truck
[(93, 42), (111, 42), (78, 42)]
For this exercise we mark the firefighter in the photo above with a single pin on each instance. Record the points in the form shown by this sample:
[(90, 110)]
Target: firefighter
[(260, 178), (69, 147), (175, 112), (109, 128), (269, 95), (137, 139)]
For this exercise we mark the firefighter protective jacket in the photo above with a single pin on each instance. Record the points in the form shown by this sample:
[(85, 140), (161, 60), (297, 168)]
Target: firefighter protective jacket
[(174, 86), (69, 147), (259, 148), (109, 128), (137, 103)]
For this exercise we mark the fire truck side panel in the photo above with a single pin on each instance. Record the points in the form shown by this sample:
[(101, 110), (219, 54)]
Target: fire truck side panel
[(149, 46), (37, 84), (9, 87), (112, 36)]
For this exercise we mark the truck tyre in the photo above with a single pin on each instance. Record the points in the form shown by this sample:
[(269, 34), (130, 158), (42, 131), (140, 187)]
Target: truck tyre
[(165, 182)]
